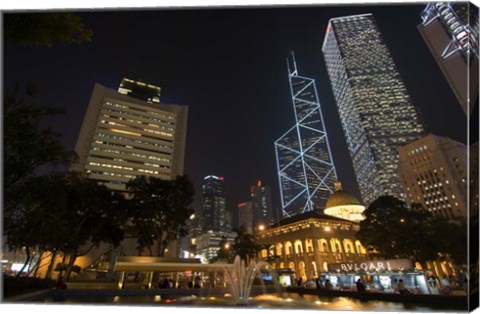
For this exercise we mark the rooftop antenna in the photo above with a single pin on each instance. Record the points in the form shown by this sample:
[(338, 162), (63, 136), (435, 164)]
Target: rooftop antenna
[(293, 62)]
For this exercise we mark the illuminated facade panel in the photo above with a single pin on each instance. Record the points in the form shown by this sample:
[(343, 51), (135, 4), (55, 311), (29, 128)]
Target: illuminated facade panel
[(450, 30), (122, 137), (214, 216), (375, 109), (305, 167), (140, 90), (433, 170)]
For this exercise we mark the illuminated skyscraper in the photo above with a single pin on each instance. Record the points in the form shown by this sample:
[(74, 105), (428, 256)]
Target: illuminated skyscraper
[(123, 137), (245, 216), (375, 109), (263, 213), (306, 173), (450, 30), (214, 217)]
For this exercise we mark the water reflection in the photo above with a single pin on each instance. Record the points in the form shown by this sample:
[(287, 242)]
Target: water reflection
[(285, 301)]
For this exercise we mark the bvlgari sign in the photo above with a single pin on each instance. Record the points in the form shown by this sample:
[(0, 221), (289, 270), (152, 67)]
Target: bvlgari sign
[(380, 265)]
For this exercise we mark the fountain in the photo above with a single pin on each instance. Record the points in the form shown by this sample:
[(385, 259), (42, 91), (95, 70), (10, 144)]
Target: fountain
[(240, 278)]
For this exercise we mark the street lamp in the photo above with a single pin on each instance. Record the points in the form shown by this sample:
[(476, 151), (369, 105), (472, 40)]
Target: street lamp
[(261, 227)]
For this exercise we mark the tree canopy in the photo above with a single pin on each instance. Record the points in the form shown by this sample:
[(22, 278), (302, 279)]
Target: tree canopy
[(245, 244), (45, 29), (161, 210), (27, 145), (392, 229)]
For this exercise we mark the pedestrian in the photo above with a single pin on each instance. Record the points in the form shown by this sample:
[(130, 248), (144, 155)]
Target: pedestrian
[(360, 286), (395, 286), (165, 283), (170, 283), (317, 283), (197, 282), (328, 285), (401, 287), (299, 282), (61, 285)]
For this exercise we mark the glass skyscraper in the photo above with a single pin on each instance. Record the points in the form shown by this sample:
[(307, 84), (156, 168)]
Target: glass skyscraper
[(306, 173), (214, 216), (375, 109)]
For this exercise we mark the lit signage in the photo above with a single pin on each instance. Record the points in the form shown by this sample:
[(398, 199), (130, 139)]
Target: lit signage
[(392, 264)]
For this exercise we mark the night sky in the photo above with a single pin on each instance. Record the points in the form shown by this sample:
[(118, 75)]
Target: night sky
[(229, 67)]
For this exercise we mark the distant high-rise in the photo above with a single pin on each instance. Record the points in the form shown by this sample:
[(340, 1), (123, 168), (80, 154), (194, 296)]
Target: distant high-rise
[(263, 213), (214, 216), (450, 30), (123, 137), (376, 112), (433, 170), (245, 216), (306, 173), (140, 90)]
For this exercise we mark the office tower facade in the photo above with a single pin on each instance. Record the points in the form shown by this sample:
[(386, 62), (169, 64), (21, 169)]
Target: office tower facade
[(376, 112), (140, 90), (306, 173), (123, 137), (263, 213), (451, 32), (245, 216), (433, 170), (214, 204)]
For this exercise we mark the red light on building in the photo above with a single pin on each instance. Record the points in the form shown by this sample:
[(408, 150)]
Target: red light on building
[(242, 204), (259, 183), (220, 178)]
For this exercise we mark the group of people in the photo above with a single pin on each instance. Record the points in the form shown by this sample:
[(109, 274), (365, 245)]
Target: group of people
[(167, 283), (327, 285)]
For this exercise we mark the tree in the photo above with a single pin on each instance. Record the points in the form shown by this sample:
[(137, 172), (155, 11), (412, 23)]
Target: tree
[(45, 29), (36, 223), (245, 244), (27, 145), (394, 230), (93, 215), (160, 210), (68, 214)]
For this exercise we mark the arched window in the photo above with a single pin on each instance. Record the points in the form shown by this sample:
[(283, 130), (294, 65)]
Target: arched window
[(348, 248), (291, 265), (324, 247), (301, 270)]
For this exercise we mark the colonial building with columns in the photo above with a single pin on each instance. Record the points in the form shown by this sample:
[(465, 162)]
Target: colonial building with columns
[(307, 243)]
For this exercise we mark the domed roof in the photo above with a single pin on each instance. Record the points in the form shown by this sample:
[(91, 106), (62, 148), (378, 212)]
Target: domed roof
[(341, 198)]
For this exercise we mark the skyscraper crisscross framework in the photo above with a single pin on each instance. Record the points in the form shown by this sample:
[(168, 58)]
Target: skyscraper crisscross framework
[(306, 173)]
